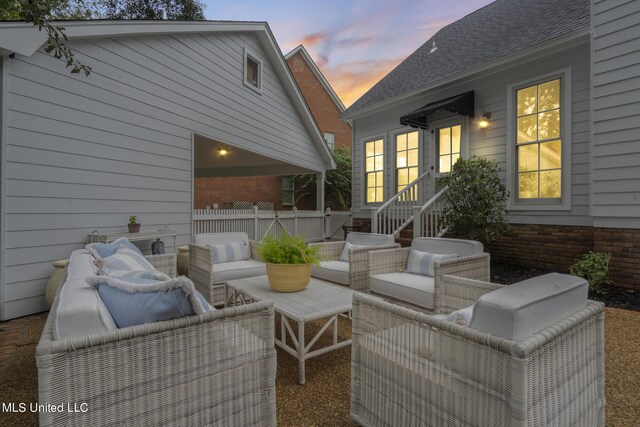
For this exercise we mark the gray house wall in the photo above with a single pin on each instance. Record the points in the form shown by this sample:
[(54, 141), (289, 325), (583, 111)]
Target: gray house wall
[(84, 153), (616, 113), (491, 96)]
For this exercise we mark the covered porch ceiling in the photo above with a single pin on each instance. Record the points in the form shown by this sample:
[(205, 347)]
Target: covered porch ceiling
[(217, 159)]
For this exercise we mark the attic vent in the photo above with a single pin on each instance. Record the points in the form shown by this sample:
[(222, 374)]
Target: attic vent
[(433, 48)]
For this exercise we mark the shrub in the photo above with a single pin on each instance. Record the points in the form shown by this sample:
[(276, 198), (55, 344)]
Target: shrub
[(594, 267), (288, 250), (475, 201), (337, 185)]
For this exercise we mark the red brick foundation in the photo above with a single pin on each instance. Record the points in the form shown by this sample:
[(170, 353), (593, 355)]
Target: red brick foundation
[(556, 247), (210, 191)]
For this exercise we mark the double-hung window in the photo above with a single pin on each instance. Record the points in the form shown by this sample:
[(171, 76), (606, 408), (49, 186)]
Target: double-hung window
[(374, 170), (448, 146), (406, 161), (539, 141)]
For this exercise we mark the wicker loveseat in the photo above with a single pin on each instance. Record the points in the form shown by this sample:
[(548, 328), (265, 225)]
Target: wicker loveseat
[(414, 369), (216, 368)]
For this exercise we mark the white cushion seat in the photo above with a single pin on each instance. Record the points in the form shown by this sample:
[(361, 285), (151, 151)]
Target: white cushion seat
[(238, 270), (518, 311), (415, 289), (333, 271)]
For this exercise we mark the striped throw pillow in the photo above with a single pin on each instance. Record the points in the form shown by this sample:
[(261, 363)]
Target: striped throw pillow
[(228, 252), (126, 259), (423, 262)]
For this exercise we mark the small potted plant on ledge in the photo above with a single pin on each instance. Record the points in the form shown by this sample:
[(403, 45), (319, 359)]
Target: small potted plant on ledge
[(289, 261), (134, 227)]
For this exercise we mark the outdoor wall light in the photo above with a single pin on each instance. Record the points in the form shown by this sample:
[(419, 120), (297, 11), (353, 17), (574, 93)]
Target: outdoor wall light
[(222, 151), (484, 122)]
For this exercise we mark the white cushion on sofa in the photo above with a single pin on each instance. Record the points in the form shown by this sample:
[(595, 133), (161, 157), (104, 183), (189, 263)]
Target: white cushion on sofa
[(412, 288), (518, 311), (333, 271), (238, 270), (438, 245), (370, 239), (80, 310)]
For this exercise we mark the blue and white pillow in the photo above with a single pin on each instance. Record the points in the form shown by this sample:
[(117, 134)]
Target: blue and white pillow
[(461, 317), (129, 275), (348, 247), (103, 250), (137, 302), (232, 251), (423, 262), (126, 259)]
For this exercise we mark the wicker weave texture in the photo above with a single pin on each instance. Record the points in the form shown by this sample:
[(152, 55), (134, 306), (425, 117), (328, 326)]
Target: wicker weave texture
[(202, 274), (358, 261), (412, 369), (165, 263), (214, 369)]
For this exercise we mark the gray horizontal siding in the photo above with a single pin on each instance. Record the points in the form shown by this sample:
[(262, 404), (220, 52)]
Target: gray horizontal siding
[(85, 153), (490, 95), (616, 113)]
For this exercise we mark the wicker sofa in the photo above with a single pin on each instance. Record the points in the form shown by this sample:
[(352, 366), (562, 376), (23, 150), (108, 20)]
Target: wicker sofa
[(217, 368), (414, 369), (353, 273), (208, 276), (389, 279)]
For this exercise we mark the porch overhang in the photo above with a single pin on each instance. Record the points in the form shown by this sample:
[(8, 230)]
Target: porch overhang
[(462, 104), (216, 159)]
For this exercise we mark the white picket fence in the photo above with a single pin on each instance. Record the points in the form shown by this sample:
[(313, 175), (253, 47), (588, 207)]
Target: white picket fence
[(313, 225)]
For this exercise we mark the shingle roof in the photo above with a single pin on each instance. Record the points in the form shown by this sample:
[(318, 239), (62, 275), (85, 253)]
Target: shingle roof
[(501, 28)]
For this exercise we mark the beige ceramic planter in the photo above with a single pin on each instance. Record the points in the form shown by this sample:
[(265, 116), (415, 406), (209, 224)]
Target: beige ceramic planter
[(288, 277)]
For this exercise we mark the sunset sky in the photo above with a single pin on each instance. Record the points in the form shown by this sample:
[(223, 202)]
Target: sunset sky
[(354, 42)]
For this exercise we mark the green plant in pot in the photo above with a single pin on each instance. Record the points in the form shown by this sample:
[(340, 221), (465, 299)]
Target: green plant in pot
[(289, 261), (134, 227)]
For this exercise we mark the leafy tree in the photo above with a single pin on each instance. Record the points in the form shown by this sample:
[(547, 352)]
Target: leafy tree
[(337, 186), (180, 10), (475, 201)]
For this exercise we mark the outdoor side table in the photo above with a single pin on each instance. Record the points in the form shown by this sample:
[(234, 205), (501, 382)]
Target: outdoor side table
[(318, 301)]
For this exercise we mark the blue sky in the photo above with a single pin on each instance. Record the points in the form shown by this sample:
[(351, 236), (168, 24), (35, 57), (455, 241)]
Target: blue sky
[(354, 42)]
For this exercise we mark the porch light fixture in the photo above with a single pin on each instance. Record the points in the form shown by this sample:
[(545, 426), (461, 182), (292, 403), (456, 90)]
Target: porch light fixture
[(222, 152), (484, 122)]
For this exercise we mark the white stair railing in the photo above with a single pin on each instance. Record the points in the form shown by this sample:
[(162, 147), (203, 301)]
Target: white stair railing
[(427, 220), (396, 213)]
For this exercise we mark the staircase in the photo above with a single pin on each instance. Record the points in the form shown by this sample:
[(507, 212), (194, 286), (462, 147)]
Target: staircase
[(401, 217)]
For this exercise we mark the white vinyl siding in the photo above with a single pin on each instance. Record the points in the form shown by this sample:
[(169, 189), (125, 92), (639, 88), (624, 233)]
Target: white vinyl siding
[(85, 153), (616, 114)]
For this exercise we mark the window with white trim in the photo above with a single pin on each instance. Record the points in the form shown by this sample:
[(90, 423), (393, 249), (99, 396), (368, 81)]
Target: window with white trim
[(252, 71), (539, 141), (374, 170), (448, 147), (407, 155), (330, 138), (287, 190)]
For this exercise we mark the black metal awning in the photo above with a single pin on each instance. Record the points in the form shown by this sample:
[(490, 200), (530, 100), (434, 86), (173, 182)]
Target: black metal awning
[(460, 104)]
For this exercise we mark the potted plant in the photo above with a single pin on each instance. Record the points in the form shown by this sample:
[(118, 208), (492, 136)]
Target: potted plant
[(134, 227), (289, 261)]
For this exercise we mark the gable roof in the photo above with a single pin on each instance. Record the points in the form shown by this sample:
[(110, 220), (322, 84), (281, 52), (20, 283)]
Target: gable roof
[(316, 71), (25, 39), (497, 30)]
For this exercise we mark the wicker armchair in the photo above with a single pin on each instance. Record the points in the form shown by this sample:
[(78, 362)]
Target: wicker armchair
[(415, 369), (389, 267), (353, 273), (164, 263), (208, 277)]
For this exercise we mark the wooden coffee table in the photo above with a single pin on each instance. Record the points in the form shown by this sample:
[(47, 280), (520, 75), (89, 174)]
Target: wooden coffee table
[(318, 301)]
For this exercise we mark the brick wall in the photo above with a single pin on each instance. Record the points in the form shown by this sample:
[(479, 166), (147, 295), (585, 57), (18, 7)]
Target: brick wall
[(556, 247), (208, 191), (322, 107)]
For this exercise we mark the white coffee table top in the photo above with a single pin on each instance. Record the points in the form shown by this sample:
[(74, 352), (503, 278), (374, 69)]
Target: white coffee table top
[(319, 299)]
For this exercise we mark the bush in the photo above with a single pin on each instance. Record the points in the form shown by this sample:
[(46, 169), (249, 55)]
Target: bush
[(475, 201), (594, 267), (288, 250), (337, 185)]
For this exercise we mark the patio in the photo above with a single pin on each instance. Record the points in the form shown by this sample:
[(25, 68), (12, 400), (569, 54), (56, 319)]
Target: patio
[(324, 399)]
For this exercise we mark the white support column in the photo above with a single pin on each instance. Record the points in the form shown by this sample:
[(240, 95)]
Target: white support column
[(320, 191), (326, 233)]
